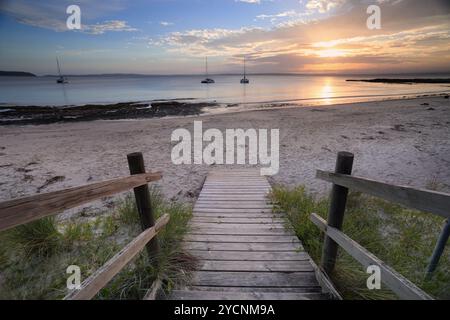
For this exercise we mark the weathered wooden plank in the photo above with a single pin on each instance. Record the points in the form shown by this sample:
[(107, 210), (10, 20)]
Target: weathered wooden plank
[(231, 210), (249, 226), (236, 186), (233, 177), (212, 194), (404, 288), (249, 256), (242, 238), (325, 282), (233, 188), (424, 200), (153, 291), (234, 231), (237, 215), (233, 204), (240, 183), (211, 200), (234, 191), (254, 279), (236, 180), (306, 289), (237, 200), (237, 190), (234, 198), (218, 295), (234, 220), (255, 266), (243, 246), (256, 184), (102, 276), (23, 210)]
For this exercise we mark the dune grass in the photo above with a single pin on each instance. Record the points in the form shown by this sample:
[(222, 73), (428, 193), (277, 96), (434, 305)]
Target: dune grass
[(402, 238), (34, 257)]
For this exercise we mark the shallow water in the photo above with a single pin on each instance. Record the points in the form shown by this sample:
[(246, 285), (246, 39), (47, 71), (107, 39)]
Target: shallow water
[(227, 89)]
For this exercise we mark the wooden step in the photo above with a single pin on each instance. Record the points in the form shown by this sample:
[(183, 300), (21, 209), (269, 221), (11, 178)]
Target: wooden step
[(243, 249)]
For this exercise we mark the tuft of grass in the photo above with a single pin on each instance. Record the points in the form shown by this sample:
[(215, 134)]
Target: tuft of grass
[(402, 238), (39, 238), (34, 257), (174, 264), (77, 232), (126, 210)]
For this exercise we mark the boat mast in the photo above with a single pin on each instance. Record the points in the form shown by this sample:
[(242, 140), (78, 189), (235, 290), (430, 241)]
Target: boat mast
[(244, 68), (57, 63), (206, 64)]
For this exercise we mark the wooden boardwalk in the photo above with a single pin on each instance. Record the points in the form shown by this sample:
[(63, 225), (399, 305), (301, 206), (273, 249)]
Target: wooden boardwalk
[(245, 251)]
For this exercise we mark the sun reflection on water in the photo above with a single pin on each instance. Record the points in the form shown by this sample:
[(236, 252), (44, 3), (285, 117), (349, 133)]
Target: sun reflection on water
[(327, 91)]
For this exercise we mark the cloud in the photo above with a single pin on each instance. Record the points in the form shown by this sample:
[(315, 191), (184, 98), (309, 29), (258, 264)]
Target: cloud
[(323, 6), (52, 14), (290, 13), (112, 25), (249, 1), (166, 23), (413, 34)]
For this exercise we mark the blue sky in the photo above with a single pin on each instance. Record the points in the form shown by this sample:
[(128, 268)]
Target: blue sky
[(173, 36)]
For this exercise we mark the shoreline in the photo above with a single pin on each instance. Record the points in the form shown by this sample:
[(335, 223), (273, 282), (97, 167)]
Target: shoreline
[(172, 108)]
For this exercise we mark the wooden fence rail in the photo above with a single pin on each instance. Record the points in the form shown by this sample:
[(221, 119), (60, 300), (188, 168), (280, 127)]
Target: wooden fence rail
[(92, 285), (430, 201), (404, 288), (24, 210), (423, 200)]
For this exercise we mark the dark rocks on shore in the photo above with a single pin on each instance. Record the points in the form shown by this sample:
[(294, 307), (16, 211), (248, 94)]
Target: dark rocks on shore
[(44, 115), (403, 81)]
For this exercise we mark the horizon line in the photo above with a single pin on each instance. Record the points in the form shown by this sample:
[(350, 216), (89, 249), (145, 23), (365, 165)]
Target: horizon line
[(249, 74)]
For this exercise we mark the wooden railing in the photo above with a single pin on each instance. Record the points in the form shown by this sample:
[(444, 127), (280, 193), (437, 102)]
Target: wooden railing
[(430, 201), (24, 210)]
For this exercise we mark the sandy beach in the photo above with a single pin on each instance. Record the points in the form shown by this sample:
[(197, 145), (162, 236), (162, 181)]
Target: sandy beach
[(399, 141)]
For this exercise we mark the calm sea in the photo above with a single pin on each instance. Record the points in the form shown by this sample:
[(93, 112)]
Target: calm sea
[(227, 89)]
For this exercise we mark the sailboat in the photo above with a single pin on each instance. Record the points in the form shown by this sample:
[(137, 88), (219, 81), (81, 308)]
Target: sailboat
[(207, 79), (61, 79), (244, 80)]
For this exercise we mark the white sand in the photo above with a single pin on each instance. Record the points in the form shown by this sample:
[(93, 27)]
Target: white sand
[(310, 137)]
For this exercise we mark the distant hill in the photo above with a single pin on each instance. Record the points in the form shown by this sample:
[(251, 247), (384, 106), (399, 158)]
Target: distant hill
[(16, 74)]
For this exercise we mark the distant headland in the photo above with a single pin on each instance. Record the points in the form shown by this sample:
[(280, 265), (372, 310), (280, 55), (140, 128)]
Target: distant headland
[(16, 74)]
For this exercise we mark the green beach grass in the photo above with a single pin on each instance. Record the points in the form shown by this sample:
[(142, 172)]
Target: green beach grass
[(402, 238), (34, 257)]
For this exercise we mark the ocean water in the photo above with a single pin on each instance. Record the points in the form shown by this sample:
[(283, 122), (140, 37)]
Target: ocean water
[(300, 89)]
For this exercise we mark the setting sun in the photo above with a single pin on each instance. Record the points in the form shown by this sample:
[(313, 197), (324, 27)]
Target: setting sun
[(331, 53)]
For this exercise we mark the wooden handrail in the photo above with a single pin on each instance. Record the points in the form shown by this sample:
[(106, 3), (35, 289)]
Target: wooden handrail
[(424, 200), (23, 210), (404, 288), (27, 209), (92, 285)]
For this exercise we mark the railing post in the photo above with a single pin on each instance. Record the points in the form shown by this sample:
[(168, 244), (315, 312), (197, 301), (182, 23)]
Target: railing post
[(143, 202), (344, 164), (439, 249)]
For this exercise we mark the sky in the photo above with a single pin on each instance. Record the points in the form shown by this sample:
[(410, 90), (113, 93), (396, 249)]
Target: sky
[(275, 36)]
